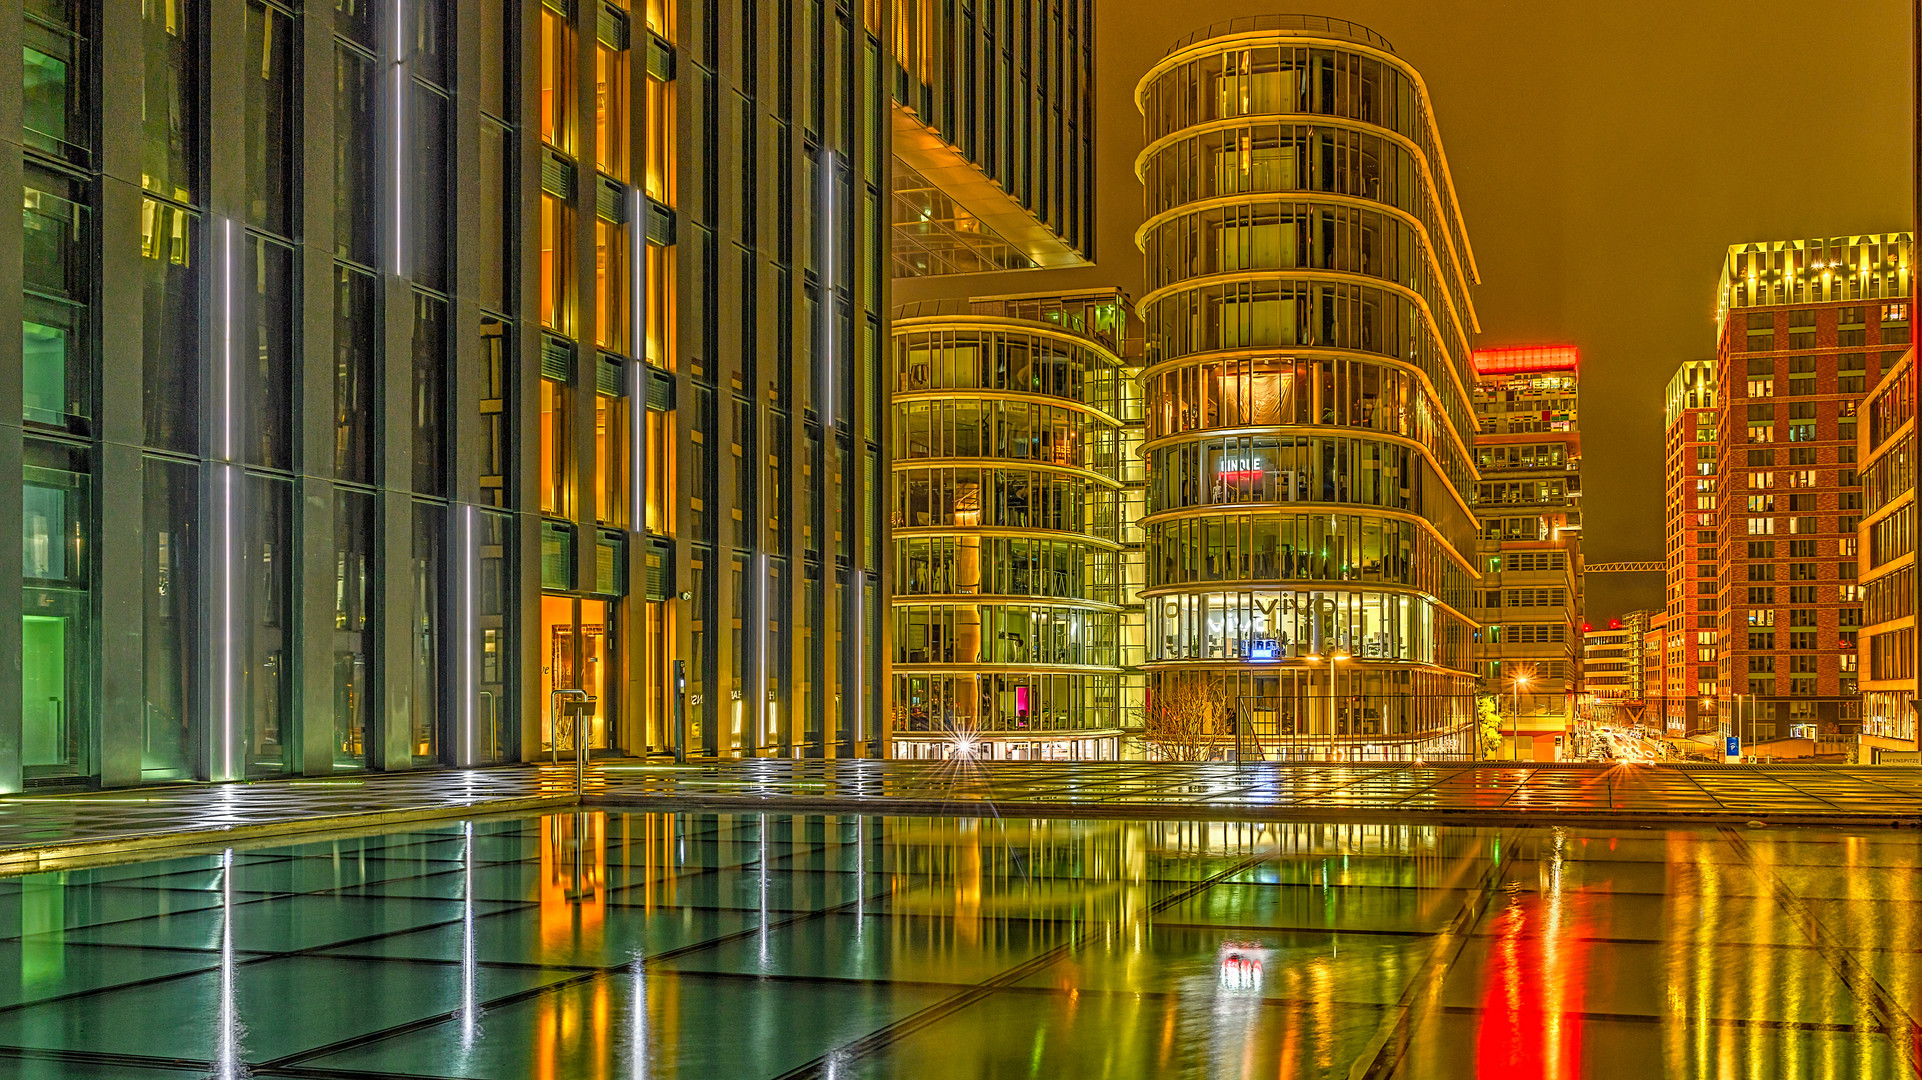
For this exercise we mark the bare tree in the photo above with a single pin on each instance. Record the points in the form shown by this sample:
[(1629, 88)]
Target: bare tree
[(1179, 721)]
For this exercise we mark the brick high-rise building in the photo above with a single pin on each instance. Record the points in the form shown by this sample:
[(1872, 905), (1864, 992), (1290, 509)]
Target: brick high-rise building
[(1805, 327), (1692, 586), (1528, 451)]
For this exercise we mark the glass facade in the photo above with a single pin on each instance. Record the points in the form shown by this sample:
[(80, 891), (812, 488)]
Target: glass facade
[(420, 407), (993, 133), (1006, 521), (1309, 536)]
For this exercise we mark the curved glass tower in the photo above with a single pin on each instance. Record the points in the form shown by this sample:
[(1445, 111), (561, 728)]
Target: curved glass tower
[(1308, 418), (1006, 524)]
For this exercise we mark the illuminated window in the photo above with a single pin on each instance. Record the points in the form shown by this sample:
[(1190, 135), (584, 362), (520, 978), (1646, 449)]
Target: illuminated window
[(611, 316), (610, 111), (556, 432), (557, 65), (556, 241), (610, 459)]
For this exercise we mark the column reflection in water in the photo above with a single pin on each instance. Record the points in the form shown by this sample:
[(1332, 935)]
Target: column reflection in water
[(229, 1053), (469, 1003)]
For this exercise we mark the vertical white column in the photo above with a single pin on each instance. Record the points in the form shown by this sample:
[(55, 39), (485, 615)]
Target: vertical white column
[(224, 762), (399, 53), (467, 752)]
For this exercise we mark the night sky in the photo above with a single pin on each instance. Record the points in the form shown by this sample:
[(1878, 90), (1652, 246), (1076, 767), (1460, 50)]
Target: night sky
[(1606, 154)]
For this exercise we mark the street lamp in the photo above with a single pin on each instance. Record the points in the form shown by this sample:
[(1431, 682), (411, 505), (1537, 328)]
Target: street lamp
[(1514, 751)]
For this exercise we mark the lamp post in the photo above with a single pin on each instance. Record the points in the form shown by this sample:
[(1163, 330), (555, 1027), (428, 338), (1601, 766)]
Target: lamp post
[(1514, 751)]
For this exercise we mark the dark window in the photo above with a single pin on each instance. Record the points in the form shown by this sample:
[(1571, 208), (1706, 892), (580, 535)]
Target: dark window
[(357, 187), (357, 341), (430, 395), (170, 326), (269, 90), (264, 363)]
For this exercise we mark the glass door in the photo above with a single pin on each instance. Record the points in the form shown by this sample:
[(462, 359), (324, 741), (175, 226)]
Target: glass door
[(579, 654), (56, 630)]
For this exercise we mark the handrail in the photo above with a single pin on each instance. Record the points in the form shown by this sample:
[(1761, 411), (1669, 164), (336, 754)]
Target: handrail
[(553, 718)]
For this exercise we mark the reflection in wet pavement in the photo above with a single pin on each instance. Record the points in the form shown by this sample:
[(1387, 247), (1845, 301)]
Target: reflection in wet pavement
[(606, 945)]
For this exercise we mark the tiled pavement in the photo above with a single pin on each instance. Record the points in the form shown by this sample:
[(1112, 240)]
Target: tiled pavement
[(777, 947), (40, 830), (1483, 793)]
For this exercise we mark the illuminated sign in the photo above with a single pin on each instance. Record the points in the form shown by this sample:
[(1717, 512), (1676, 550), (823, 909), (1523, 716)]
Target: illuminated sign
[(1264, 649), (1240, 467)]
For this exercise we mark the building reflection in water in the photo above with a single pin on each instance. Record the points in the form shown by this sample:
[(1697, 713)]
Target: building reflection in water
[(597, 945)]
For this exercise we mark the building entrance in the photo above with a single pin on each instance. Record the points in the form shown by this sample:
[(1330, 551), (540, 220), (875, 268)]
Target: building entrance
[(580, 652)]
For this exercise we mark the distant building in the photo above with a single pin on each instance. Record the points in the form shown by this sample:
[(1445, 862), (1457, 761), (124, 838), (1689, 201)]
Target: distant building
[(1886, 542), (1605, 669), (1528, 451), (1652, 683), (1693, 588), (1805, 328)]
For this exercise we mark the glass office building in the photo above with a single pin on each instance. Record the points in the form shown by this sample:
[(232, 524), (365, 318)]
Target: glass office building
[(1309, 329), (993, 135), (388, 365), (1009, 566)]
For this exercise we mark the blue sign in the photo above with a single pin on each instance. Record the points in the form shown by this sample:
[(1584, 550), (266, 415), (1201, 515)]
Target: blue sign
[(1734, 746), (1264, 649)]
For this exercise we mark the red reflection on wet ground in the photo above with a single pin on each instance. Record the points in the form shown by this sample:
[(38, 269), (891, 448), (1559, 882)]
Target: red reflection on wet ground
[(1531, 1024)]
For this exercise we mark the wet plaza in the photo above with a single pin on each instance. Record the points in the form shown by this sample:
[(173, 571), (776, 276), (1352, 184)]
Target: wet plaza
[(597, 944)]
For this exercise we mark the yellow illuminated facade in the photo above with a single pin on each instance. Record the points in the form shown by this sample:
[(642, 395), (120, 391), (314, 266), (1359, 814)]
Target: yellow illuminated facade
[(1309, 328), (1008, 415), (1886, 545)]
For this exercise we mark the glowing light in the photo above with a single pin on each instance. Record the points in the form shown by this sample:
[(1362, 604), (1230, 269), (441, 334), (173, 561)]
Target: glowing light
[(228, 1052), (469, 968), (469, 555), (1517, 359), (400, 117), (766, 724), (231, 557)]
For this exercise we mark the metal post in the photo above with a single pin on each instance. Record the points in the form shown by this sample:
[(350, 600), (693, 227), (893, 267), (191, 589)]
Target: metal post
[(553, 720), (680, 712), (580, 746), (1515, 738)]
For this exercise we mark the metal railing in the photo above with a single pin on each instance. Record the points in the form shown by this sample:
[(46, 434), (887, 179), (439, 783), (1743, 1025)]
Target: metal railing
[(1305, 25), (579, 703), (1276, 741)]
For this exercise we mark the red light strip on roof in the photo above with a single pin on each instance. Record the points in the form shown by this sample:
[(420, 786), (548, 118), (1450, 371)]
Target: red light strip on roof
[(1525, 358)]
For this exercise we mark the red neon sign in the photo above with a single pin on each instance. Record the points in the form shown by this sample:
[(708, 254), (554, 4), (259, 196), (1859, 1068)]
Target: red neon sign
[(1517, 359)]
